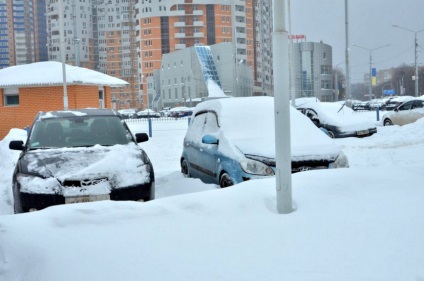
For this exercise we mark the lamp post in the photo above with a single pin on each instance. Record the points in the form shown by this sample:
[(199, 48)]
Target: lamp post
[(62, 54), (370, 50), (416, 54), (348, 90)]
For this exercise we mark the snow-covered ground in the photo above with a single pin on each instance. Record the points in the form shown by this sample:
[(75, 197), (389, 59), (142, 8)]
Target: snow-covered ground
[(360, 223)]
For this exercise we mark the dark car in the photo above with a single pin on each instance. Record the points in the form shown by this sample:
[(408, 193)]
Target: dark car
[(361, 105), (338, 120), (78, 156), (394, 102)]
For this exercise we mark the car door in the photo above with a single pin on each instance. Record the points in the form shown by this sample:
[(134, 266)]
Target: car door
[(210, 152), (417, 110), (193, 145), (403, 114)]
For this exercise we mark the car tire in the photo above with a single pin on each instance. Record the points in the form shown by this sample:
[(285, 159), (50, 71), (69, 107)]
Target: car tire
[(225, 181), (331, 134), (184, 168), (387, 122)]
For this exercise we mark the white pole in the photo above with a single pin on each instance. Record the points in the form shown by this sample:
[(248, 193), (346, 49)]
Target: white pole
[(348, 93), (62, 54), (291, 52), (282, 109)]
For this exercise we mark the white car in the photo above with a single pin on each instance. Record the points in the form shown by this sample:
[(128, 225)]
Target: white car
[(407, 112), (148, 113)]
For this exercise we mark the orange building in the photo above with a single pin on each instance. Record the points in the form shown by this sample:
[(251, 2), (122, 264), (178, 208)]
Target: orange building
[(173, 25), (28, 89)]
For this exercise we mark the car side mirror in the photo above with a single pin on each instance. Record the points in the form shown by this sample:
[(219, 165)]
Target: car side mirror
[(141, 137), (396, 109), (208, 139), (16, 145)]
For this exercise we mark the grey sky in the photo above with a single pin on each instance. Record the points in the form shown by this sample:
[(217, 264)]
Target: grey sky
[(370, 26)]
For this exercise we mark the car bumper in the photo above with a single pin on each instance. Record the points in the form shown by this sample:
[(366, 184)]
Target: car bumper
[(38, 201)]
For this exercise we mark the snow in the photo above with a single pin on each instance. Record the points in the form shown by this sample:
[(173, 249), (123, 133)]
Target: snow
[(360, 223), (214, 90), (339, 115), (91, 162), (239, 123), (50, 73)]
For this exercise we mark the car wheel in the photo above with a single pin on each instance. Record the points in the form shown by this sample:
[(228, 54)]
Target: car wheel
[(388, 122), (225, 181), (184, 168), (331, 134)]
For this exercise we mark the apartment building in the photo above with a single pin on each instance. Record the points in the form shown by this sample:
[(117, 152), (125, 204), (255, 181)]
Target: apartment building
[(127, 38), (167, 26), (100, 35), (22, 32)]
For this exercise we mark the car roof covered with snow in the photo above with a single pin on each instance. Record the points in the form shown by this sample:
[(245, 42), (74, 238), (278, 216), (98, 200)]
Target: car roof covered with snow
[(249, 123)]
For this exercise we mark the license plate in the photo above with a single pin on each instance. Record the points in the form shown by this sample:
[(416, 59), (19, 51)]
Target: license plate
[(88, 198), (364, 132)]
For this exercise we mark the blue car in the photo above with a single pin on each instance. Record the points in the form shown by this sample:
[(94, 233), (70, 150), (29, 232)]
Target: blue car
[(231, 140)]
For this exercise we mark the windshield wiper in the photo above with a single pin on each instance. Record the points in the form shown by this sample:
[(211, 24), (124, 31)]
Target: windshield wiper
[(341, 107)]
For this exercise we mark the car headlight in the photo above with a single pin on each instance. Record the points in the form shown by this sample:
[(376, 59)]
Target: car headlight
[(256, 168), (341, 161), (35, 184)]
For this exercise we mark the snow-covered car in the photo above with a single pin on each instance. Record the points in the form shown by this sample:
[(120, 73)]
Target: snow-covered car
[(148, 113), (339, 120), (127, 113), (180, 111), (227, 143), (361, 105), (77, 156), (394, 102), (407, 112)]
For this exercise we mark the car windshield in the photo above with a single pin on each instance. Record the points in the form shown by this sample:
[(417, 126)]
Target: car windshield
[(78, 131)]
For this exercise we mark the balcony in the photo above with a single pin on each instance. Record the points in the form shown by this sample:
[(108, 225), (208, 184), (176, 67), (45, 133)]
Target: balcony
[(179, 24), (198, 23), (180, 46), (198, 12), (198, 35), (180, 35)]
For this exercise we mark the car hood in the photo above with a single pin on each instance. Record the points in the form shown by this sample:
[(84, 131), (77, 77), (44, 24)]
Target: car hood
[(299, 152), (121, 165)]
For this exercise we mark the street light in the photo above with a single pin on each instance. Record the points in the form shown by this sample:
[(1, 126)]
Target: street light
[(370, 50), (416, 54)]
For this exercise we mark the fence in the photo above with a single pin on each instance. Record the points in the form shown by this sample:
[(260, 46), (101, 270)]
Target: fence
[(157, 125)]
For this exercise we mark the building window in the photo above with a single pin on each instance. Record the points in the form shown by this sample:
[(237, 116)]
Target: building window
[(11, 97)]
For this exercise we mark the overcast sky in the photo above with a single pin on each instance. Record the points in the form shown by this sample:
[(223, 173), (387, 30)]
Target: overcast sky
[(370, 26)]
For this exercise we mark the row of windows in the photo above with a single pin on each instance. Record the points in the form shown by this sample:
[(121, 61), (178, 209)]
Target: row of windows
[(326, 69), (182, 80), (225, 19), (184, 94)]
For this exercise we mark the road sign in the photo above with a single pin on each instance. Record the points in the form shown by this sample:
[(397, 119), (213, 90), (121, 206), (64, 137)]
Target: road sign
[(389, 92)]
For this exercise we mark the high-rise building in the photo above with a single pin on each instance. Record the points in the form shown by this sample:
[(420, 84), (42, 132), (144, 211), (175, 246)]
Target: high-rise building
[(22, 32), (127, 38), (166, 26), (99, 35)]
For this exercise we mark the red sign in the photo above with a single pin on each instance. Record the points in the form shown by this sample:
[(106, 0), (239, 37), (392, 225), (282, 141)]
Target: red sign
[(298, 36)]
